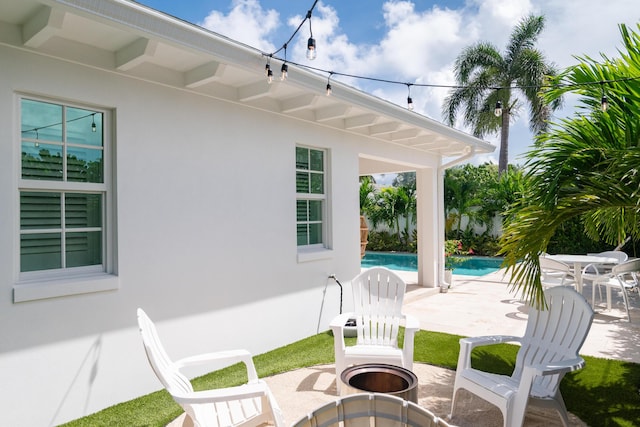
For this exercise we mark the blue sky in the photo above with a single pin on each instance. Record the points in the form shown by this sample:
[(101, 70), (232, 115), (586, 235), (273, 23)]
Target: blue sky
[(414, 41)]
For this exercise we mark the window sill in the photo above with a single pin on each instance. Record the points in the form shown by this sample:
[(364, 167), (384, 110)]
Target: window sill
[(36, 290), (306, 255)]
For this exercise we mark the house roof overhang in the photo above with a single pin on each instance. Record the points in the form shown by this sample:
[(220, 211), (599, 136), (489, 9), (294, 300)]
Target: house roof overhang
[(130, 39)]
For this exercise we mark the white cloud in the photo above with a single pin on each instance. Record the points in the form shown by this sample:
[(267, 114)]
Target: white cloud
[(246, 22)]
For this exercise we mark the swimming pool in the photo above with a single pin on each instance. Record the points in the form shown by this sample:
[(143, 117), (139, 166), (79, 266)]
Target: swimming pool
[(464, 265)]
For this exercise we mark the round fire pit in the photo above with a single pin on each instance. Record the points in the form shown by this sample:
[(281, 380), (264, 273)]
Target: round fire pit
[(380, 378)]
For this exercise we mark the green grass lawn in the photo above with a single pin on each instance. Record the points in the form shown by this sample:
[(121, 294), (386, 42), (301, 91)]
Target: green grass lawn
[(604, 393)]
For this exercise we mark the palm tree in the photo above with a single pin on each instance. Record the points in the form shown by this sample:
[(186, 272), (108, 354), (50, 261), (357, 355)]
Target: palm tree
[(586, 167), (460, 196), (486, 80)]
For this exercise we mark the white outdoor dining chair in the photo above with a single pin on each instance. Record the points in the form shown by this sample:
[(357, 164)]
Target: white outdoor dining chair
[(378, 294), (247, 405), (370, 409), (598, 272), (555, 273), (623, 277), (549, 349)]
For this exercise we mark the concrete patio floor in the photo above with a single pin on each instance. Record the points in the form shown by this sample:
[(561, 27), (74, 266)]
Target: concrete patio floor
[(473, 306)]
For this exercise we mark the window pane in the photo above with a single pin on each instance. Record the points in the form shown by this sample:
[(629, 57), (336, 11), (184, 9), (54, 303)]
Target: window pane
[(302, 234), (315, 210), (40, 210), (41, 161), (81, 129), (302, 182), (84, 249), (317, 183), (84, 164), (40, 251), (83, 210), (41, 120), (315, 234), (302, 158), (317, 160), (301, 211)]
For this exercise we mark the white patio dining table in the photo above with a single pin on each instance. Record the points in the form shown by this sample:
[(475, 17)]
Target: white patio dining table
[(580, 261)]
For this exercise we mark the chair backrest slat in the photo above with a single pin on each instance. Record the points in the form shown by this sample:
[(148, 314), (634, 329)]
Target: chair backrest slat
[(378, 294)]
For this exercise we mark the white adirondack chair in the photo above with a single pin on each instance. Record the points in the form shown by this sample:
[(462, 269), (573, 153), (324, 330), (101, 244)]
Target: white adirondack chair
[(247, 405), (549, 349), (370, 409), (378, 294)]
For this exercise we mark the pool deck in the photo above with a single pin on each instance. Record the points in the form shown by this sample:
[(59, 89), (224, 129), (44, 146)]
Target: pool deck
[(484, 306)]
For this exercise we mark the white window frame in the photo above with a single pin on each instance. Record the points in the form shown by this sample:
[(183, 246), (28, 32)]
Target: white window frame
[(321, 250), (35, 285)]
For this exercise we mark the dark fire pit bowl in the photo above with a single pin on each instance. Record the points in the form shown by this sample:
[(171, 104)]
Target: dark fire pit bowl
[(380, 378)]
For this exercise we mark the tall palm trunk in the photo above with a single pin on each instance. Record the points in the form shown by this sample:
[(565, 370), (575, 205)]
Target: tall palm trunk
[(503, 160)]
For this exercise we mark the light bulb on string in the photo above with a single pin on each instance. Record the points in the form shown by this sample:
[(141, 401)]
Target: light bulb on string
[(94, 128), (409, 99), (311, 43), (311, 48), (498, 110), (268, 72), (329, 89), (604, 102), (284, 70)]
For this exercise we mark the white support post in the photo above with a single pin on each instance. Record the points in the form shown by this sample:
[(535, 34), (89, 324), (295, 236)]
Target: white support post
[(429, 235)]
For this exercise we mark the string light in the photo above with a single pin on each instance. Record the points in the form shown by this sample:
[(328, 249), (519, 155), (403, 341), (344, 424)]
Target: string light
[(311, 43), (268, 72), (604, 103), (284, 70), (498, 110), (312, 53), (94, 126)]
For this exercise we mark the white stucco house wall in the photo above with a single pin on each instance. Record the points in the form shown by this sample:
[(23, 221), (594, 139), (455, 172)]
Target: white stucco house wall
[(146, 162)]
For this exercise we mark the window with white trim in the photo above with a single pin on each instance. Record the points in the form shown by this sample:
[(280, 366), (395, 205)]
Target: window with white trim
[(311, 197), (64, 188)]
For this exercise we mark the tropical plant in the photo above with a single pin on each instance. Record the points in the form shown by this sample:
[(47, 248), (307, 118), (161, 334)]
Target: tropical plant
[(367, 190), (474, 193), (586, 166), (486, 79)]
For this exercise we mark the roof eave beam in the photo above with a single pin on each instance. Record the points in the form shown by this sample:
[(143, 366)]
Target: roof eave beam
[(42, 26), (203, 74), (135, 53)]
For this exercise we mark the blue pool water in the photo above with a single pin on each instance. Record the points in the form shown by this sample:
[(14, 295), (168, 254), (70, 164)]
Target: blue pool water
[(464, 265)]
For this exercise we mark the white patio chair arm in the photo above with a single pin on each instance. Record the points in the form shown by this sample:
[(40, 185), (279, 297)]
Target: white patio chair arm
[(474, 342), (411, 323), (558, 367), (229, 357), (468, 344), (246, 391), (340, 320), (594, 267)]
